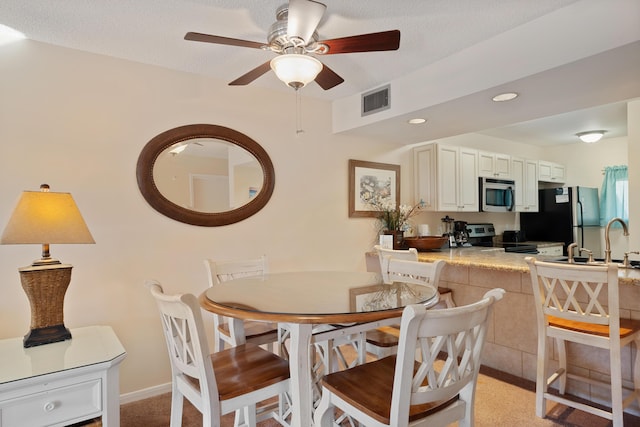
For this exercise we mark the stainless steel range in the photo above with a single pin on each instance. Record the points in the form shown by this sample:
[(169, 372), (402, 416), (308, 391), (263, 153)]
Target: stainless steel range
[(484, 235)]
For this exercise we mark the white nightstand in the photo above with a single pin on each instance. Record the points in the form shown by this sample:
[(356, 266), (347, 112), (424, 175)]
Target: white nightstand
[(61, 383)]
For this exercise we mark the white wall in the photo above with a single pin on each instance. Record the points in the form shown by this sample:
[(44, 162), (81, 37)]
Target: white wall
[(78, 121)]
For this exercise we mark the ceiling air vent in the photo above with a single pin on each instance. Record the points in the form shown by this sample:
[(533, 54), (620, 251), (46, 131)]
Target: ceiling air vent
[(376, 100)]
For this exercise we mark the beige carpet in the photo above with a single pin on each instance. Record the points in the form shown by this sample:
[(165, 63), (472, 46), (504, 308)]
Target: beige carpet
[(501, 400)]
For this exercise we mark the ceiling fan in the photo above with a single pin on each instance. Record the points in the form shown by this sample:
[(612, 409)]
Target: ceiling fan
[(294, 38)]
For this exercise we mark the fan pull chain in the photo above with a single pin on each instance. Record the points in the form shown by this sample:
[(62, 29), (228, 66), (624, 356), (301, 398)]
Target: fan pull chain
[(299, 129)]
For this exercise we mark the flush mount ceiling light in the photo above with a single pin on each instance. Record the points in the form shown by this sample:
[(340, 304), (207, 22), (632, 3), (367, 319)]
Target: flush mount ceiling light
[(296, 70), (507, 96), (591, 136), (417, 121)]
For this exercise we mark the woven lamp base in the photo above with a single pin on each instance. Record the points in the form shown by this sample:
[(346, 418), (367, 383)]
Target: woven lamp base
[(45, 286)]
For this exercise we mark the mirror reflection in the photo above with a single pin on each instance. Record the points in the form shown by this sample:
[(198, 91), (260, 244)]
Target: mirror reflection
[(207, 175)]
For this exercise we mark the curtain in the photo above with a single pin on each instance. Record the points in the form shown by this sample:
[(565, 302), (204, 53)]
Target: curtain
[(614, 197)]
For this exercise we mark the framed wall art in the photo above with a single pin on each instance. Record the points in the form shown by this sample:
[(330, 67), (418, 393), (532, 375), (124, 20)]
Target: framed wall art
[(371, 181)]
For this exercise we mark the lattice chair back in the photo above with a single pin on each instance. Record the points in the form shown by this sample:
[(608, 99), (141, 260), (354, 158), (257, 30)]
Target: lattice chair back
[(415, 272), (423, 388), (578, 294), (188, 349), (410, 254), (221, 271), (459, 334)]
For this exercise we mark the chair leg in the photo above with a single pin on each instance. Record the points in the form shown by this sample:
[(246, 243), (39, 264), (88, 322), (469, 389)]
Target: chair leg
[(636, 371), (176, 406), (616, 386), (324, 414), (541, 376), (562, 360)]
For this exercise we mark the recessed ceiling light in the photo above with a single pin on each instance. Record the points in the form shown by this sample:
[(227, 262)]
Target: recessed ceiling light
[(507, 96), (417, 121), (8, 35), (591, 136)]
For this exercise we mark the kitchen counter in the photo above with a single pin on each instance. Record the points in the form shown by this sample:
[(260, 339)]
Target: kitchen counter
[(497, 259)]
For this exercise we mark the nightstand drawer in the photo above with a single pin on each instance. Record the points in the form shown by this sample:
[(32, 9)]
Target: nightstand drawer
[(57, 406)]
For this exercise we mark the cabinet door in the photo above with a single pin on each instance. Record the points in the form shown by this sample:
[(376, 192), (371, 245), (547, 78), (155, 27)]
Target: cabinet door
[(468, 180), (544, 171), (531, 186), (557, 172), (525, 174), (518, 176), (486, 164), (424, 168), (494, 165), (502, 166), (551, 172), (447, 178)]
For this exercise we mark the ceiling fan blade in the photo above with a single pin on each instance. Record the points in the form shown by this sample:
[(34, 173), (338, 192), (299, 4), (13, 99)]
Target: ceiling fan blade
[(207, 38), (303, 18), (373, 42), (327, 78), (251, 75)]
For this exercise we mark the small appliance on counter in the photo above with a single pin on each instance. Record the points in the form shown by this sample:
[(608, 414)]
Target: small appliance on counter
[(461, 233), (448, 230)]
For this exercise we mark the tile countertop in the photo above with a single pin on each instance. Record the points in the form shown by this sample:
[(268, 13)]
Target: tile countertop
[(497, 259)]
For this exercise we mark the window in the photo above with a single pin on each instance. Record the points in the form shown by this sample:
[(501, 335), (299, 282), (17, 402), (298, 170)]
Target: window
[(614, 197)]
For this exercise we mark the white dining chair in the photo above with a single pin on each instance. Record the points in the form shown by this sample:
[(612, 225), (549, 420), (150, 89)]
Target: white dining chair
[(411, 254), (230, 380), (580, 304), (415, 387), (255, 332), (383, 341)]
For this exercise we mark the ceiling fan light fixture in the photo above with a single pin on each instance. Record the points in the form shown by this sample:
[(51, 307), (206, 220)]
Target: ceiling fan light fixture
[(591, 136), (296, 70)]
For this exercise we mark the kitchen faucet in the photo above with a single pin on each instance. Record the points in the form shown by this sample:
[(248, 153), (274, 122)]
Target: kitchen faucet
[(607, 242)]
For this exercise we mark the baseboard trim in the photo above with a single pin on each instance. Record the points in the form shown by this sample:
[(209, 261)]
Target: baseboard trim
[(145, 393)]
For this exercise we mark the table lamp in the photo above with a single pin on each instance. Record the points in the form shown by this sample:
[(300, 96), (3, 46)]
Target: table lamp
[(44, 217)]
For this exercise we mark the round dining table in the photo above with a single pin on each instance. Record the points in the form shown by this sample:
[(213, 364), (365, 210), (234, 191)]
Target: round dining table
[(313, 306)]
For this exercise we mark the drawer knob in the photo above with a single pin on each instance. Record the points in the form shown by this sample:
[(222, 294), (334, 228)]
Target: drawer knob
[(49, 406)]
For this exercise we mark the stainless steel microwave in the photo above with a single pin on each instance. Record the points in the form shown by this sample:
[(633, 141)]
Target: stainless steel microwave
[(497, 195)]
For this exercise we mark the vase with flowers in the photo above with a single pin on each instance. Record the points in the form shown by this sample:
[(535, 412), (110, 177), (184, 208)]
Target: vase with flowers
[(394, 219)]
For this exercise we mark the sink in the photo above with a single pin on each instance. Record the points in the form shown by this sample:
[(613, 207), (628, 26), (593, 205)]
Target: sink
[(584, 260)]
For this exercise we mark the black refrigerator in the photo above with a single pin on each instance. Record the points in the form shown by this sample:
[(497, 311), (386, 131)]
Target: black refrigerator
[(566, 214)]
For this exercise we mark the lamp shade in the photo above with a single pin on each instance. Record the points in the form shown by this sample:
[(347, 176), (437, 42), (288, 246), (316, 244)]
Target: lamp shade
[(46, 217), (296, 70)]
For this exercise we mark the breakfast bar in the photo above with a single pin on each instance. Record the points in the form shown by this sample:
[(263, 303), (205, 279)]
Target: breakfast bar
[(511, 344)]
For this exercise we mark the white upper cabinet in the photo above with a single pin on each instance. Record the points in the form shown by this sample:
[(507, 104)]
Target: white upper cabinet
[(446, 178), (551, 172), (424, 169), (525, 174), (494, 165)]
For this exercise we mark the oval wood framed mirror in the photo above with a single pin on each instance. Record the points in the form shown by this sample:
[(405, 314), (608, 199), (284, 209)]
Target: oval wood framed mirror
[(205, 175)]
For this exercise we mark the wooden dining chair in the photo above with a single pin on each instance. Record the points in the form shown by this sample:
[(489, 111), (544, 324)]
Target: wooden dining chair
[(580, 304), (416, 387), (230, 380), (383, 341), (411, 254), (255, 332)]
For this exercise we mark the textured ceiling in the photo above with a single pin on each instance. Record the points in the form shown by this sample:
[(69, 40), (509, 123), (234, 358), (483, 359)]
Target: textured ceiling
[(152, 32)]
